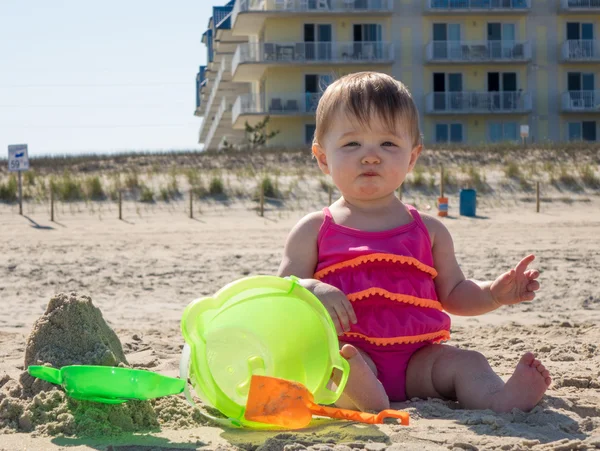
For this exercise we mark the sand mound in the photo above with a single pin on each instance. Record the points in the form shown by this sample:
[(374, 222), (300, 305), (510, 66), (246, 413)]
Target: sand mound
[(73, 332)]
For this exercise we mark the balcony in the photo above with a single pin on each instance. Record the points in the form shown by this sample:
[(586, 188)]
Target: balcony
[(579, 6), (478, 6), (248, 15), (478, 51), (581, 101), (200, 84), (250, 60), (468, 102), (581, 50), (284, 104), (214, 89), (215, 124)]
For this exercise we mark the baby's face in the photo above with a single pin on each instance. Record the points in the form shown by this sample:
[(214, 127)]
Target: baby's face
[(366, 163)]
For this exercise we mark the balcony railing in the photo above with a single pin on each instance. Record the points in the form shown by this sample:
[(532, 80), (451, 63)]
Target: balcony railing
[(479, 102), (278, 104), (343, 6), (318, 52), (478, 51), (580, 5), (215, 85), (215, 123), (478, 5), (584, 101), (581, 50)]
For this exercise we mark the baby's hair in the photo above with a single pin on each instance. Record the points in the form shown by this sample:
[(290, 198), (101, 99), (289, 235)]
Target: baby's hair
[(365, 95)]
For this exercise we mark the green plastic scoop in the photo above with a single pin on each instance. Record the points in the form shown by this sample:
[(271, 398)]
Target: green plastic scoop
[(107, 384)]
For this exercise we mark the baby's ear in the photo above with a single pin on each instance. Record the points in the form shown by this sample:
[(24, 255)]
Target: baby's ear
[(319, 154), (414, 156)]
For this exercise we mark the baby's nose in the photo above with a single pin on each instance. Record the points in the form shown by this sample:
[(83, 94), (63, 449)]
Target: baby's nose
[(370, 159)]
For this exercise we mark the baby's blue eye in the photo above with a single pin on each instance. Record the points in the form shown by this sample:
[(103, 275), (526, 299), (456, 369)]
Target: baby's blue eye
[(352, 144), (389, 143)]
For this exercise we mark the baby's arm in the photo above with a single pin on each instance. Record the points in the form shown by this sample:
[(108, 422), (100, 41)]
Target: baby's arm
[(300, 252), (465, 297), (300, 259)]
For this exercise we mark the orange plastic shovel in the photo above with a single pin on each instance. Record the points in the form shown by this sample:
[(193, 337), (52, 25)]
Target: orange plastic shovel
[(289, 404)]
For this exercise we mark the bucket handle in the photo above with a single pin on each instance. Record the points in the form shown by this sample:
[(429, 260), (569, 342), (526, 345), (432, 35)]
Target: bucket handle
[(184, 371), (327, 396), (345, 374)]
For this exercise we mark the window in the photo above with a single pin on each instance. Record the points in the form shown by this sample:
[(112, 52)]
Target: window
[(446, 41), (503, 86), (588, 130), (447, 89), (574, 131), (319, 4), (209, 45), (309, 133), (448, 133), (585, 130), (317, 41), (367, 32), (456, 135), (581, 89), (501, 39), (314, 85), (580, 39), (580, 31), (502, 131), (510, 131), (367, 41), (441, 133)]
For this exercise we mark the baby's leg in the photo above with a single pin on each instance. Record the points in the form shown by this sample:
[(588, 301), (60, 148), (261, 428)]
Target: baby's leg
[(363, 390), (440, 371)]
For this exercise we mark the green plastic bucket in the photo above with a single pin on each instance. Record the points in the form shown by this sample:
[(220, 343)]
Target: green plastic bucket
[(262, 325)]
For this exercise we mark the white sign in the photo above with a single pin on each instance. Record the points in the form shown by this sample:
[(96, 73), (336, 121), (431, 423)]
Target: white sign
[(524, 131), (18, 160)]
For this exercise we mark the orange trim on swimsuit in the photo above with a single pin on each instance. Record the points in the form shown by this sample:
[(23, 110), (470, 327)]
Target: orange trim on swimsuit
[(435, 337), (408, 299), (377, 257)]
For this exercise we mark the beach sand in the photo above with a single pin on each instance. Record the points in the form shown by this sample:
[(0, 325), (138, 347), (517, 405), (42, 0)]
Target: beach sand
[(141, 273)]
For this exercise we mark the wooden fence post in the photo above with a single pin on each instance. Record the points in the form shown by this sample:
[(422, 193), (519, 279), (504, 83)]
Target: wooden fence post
[(262, 199), (120, 209), (537, 197), (442, 201), (20, 193), (441, 180), (51, 204), (191, 204)]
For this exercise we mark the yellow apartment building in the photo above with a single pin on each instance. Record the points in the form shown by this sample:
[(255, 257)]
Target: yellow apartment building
[(478, 70)]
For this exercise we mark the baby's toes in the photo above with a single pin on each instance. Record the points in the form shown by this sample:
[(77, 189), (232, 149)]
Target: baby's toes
[(536, 363), (541, 368)]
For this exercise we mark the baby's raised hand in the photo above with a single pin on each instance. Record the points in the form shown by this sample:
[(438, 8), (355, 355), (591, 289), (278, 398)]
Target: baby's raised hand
[(516, 285)]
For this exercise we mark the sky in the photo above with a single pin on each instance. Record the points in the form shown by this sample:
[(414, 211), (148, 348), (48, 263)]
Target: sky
[(83, 76)]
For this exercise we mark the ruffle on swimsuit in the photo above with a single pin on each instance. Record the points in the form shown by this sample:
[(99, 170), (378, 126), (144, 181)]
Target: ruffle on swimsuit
[(388, 277)]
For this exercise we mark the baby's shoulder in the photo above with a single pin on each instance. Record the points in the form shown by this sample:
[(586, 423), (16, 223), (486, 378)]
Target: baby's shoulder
[(309, 225), (433, 225)]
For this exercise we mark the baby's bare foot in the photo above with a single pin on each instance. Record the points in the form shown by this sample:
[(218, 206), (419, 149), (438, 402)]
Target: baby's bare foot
[(363, 387), (525, 387)]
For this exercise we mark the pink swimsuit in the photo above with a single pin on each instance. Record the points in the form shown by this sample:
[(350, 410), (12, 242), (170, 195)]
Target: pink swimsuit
[(388, 277)]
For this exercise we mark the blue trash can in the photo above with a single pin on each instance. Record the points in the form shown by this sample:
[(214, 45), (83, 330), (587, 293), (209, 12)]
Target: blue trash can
[(468, 202)]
